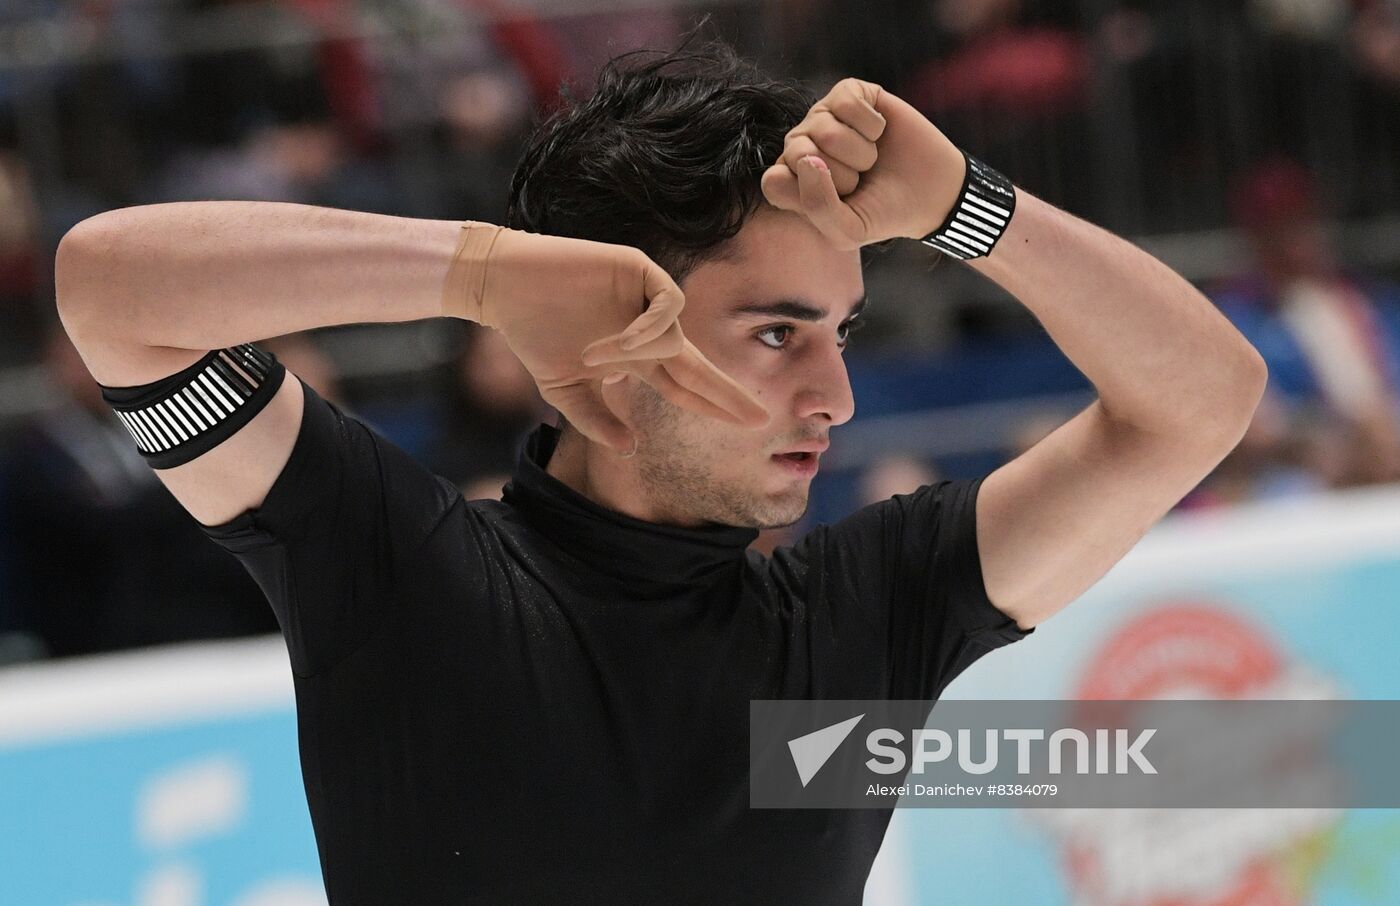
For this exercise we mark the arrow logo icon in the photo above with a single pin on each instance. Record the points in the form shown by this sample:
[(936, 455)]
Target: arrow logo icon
[(810, 752)]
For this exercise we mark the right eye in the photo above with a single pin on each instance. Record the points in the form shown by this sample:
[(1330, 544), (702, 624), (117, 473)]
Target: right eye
[(779, 335)]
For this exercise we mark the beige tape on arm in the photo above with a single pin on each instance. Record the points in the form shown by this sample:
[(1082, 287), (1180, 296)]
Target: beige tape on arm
[(463, 292)]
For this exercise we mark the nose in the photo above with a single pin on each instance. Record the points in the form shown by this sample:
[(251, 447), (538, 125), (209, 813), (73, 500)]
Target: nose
[(826, 389)]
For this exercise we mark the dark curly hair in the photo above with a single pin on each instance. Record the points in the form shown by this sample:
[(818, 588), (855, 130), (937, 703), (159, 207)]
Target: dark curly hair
[(666, 155)]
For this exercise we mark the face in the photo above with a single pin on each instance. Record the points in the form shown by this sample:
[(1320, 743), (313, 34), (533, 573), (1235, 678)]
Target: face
[(1293, 249), (774, 314)]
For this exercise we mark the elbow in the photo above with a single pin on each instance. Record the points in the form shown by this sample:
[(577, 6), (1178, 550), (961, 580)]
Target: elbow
[(1251, 380), (77, 267), (67, 267), (1257, 378), (1213, 406), (1243, 379)]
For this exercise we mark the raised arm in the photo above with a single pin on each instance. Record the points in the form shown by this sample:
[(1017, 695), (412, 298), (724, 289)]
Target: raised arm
[(145, 292), (205, 275), (1177, 383), (1177, 387)]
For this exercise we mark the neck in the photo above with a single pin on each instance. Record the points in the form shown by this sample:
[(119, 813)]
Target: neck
[(607, 479)]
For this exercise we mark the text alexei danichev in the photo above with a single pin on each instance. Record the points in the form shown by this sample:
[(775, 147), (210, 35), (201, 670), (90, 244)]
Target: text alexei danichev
[(920, 789), (958, 789)]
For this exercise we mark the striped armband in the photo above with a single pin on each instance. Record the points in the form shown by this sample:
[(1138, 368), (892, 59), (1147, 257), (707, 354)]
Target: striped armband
[(979, 216), (183, 416)]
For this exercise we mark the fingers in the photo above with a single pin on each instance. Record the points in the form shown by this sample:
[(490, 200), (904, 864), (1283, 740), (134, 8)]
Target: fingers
[(856, 104), (676, 392), (839, 142), (613, 349), (841, 129), (681, 373), (587, 411), (780, 187), (665, 301), (837, 221), (799, 145), (814, 195), (692, 371)]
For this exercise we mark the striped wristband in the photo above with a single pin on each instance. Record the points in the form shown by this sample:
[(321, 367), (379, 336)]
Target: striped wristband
[(181, 417), (980, 215)]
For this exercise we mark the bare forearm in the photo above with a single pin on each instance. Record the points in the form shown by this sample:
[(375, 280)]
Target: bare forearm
[(1158, 352), (204, 275)]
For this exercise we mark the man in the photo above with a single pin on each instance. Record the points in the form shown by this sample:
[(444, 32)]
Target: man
[(544, 699)]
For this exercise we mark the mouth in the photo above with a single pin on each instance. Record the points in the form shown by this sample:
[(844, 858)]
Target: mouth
[(801, 464)]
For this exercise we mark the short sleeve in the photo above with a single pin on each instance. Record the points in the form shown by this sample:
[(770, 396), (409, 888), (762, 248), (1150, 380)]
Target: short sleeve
[(324, 545), (911, 564)]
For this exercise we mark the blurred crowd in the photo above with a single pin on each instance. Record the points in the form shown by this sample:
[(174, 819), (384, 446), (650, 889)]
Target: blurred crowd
[(1270, 121)]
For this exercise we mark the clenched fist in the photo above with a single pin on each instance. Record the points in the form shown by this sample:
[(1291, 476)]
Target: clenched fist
[(863, 166)]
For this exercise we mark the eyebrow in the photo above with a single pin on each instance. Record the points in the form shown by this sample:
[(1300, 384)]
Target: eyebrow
[(794, 309)]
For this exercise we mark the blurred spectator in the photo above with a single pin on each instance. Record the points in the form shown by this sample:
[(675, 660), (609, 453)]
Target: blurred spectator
[(482, 120), (83, 516), (488, 404), (1010, 80), (221, 96), (590, 40), (307, 162), (436, 41), (1176, 97), (828, 40), (1004, 61), (1281, 455), (19, 241), (1375, 143), (1322, 330), (1375, 37)]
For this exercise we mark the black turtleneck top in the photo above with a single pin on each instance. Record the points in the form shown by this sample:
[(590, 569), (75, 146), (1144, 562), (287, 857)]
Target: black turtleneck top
[(540, 700)]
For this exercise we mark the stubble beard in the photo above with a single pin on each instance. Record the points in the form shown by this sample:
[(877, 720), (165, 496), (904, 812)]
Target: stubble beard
[(674, 466)]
